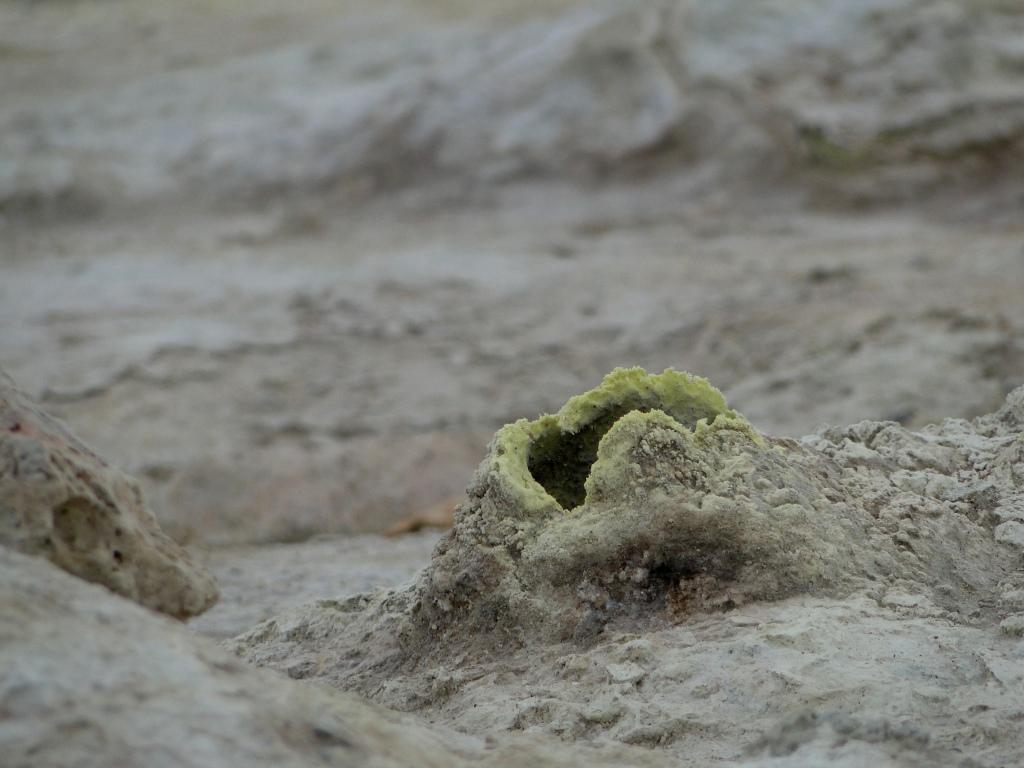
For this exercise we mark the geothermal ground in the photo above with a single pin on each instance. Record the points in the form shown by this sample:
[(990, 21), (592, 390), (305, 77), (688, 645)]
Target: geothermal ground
[(291, 268)]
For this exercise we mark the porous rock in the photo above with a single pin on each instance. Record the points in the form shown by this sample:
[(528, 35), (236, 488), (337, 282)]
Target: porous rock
[(647, 495), (61, 501), (648, 498)]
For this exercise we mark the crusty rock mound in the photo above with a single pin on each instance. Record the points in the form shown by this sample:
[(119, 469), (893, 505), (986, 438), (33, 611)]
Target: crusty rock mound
[(647, 499), (645, 566), (646, 496), (61, 501)]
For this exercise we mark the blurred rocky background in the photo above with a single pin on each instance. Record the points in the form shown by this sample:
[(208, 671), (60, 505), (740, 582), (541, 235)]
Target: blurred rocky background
[(292, 264)]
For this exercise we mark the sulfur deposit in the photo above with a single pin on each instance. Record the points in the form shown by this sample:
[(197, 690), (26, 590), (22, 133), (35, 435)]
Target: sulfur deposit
[(640, 500), (61, 501), (646, 566)]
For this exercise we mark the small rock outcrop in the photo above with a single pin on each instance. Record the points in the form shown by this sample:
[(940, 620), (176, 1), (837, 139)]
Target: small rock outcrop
[(61, 501), (645, 496), (648, 499)]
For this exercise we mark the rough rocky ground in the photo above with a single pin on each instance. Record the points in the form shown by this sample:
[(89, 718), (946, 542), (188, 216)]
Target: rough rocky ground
[(92, 680), (293, 266), (712, 585)]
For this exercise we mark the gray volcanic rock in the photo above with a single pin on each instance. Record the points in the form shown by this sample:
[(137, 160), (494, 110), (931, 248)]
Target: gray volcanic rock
[(645, 566), (61, 501), (648, 496)]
